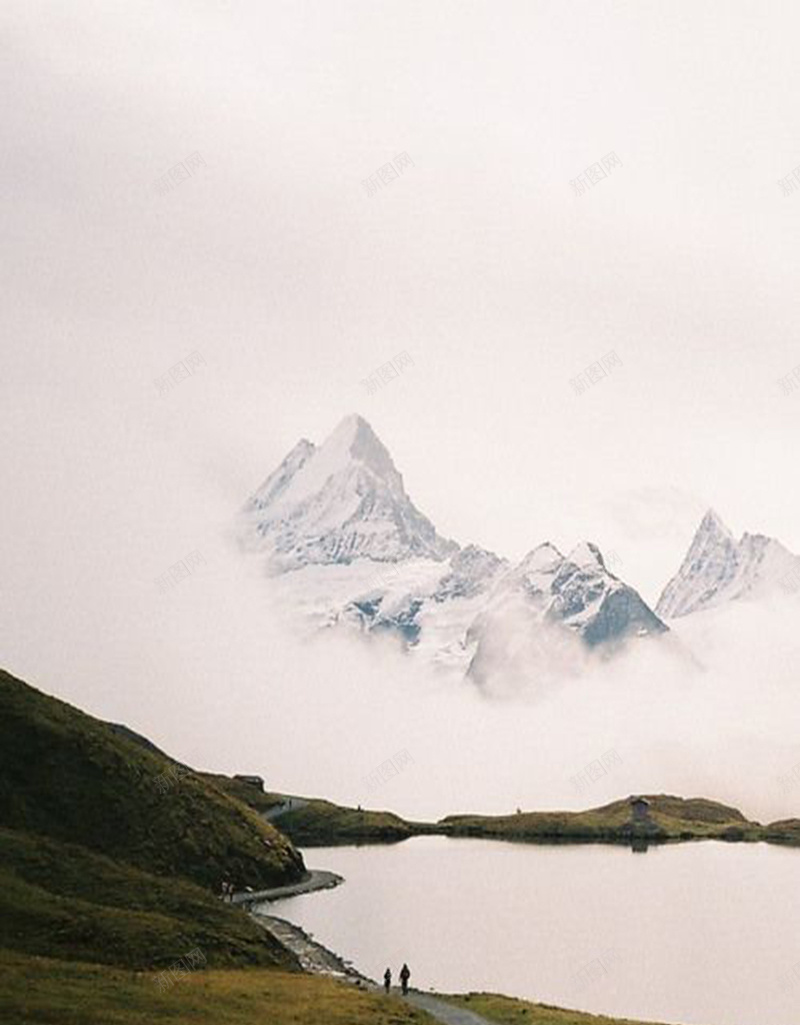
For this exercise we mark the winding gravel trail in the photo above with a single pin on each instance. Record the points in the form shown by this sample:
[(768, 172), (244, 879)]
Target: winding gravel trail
[(445, 1012), (316, 879)]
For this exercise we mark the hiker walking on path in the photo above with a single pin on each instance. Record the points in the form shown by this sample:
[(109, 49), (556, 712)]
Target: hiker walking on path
[(405, 975), (387, 979)]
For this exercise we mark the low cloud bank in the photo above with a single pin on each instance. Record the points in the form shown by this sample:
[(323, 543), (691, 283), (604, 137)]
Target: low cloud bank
[(711, 712)]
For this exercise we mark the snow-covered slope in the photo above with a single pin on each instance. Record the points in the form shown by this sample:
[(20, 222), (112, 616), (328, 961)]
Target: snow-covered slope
[(558, 598), (431, 610), (336, 525), (339, 502), (580, 593), (718, 568)]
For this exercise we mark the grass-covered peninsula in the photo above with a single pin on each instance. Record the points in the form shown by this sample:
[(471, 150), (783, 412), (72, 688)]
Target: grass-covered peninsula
[(650, 818)]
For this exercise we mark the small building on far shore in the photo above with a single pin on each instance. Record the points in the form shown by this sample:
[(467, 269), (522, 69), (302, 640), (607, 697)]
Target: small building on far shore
[(254, 781), (640, 809)]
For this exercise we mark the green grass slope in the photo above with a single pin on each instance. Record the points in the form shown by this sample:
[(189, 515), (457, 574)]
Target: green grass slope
[(63, 901), (320, 823), (75, 779), (245, 792), (38, 991), (785, 831), (510, 1011)]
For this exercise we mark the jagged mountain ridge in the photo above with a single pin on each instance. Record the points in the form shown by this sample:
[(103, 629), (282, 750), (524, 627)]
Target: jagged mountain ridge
[(545, 613), (343, 505), (717, 568), (580, 592), (342, 501)]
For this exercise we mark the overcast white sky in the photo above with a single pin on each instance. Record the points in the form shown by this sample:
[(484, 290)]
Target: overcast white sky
[(294, 285)]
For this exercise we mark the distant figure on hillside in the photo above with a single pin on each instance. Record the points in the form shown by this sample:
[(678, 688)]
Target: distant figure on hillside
[(230, 892), (405, 975), (387, 979), (224, 889)]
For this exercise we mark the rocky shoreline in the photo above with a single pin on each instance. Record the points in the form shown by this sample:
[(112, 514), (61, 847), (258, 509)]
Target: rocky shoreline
[(312, 956)]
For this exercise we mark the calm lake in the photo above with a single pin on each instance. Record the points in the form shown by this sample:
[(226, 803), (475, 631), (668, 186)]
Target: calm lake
[(705, 933)]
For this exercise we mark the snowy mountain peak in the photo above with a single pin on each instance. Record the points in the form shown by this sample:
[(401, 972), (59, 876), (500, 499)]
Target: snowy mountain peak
[(586, 554), (354, 439), (712, 525), (473, 558), (578, 591), (338, 502), (718, 568), (540, 559), (338, 516), (549, 601), (279, 480)]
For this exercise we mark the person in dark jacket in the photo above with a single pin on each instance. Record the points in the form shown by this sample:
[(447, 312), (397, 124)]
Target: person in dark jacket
[(387, 979), (405, 975)]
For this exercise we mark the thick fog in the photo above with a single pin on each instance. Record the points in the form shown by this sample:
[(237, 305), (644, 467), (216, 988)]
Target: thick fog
[(223, 674), (283, 284)]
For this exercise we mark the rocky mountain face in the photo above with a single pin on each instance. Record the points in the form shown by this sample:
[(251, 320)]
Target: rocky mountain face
[(718, 568), (544, 613), (343, 506), (578, 592), (339, 502)]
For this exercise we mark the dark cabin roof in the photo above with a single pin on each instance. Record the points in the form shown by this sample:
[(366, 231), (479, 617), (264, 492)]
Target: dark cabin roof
[(256, 781)]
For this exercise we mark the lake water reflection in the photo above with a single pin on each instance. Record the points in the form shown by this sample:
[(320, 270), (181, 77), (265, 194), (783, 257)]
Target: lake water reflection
[(705, 933)]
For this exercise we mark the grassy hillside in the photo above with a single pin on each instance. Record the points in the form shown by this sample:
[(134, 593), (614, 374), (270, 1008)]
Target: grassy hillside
[(669, 818), (100, 863), (245, 792), (61, 900), (785, 831), (72, 778), (509, 1011), (38, 991), (321, 822)]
